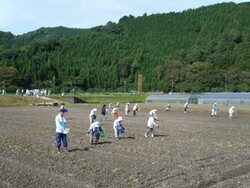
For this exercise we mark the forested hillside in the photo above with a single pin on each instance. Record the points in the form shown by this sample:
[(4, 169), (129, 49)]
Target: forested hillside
[(204, 49)]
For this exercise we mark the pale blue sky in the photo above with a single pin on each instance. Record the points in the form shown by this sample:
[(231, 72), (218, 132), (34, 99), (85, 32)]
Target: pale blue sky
[(21, 16)]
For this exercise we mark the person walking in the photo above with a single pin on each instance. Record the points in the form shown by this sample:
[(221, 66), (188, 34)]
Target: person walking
[(151, 126), (214, 109), (61, 130)]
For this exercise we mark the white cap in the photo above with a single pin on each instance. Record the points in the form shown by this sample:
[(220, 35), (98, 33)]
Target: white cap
[(119, 119), (95, 109)]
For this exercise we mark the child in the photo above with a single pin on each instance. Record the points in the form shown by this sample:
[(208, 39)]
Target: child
[(185, 107), (115, 112), (117, 126), (214, 110), (92, 115), (231, 112), (94, 131), (104, 112), (151, 126), (135, 108), (152, 113), (127, 110)]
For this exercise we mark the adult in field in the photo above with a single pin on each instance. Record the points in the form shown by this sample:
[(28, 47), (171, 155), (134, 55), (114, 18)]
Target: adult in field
[(61, 130), (214, 109)]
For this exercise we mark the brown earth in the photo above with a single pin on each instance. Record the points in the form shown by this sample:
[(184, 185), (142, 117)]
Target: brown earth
[(189, 150)]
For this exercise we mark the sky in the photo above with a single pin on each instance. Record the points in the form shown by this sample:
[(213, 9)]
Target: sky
[(22, 16)]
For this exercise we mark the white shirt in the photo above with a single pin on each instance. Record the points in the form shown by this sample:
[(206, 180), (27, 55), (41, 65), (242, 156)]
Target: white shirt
[(231, 110), (94, 126), (126, 107), (186, 105), (117, 124), (135, 107), (151, 122), (61, 123)]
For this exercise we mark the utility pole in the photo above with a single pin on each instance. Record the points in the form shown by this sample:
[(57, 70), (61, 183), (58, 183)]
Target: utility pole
[(53, 83), (172, 83), (225, 83)]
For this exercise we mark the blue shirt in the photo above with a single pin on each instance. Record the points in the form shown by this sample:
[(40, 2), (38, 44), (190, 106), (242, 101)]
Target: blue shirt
[(61, 123)]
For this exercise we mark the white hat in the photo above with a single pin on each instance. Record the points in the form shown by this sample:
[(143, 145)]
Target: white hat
[(119, 119), (95, 109)]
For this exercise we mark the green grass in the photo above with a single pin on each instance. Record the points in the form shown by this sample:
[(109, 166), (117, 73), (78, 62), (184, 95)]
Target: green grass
[(107, 98), (13, 100)]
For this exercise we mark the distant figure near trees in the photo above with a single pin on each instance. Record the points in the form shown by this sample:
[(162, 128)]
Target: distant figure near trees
[(135, 108), (185, 107), (231, 112), (214, 110)]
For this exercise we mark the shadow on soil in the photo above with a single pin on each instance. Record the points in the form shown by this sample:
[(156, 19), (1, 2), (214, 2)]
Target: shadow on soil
[(104, 142), (78, 149), (161, 135), (128, 137)]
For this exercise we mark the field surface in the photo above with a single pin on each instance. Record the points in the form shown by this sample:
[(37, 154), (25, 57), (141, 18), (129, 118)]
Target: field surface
[(189, 150)]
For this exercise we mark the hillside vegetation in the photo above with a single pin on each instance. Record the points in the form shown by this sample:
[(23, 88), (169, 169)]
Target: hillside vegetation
[(204, 49)]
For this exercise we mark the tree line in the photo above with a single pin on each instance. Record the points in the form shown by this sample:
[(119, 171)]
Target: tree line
[(196, 50)]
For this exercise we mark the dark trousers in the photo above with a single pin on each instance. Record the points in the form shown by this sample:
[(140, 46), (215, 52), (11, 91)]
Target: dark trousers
[(60, 137), (150, 130), (95, 134)]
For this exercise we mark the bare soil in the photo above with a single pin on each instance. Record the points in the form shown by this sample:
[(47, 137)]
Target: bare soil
[(189, 150)]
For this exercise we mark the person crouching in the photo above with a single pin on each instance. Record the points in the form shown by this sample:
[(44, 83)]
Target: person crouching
[(117, 126), (94, 132), (151, 126)]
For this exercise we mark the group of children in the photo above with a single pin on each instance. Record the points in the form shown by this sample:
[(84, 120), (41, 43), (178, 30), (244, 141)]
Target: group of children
[(95, 130)]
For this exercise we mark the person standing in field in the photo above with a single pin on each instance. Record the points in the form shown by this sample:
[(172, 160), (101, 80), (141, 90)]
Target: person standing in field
[(151, 126), (231, 112), (104, 112), (127, 110), (214, 109), (185, 107), (61, 131), (92, 115)]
